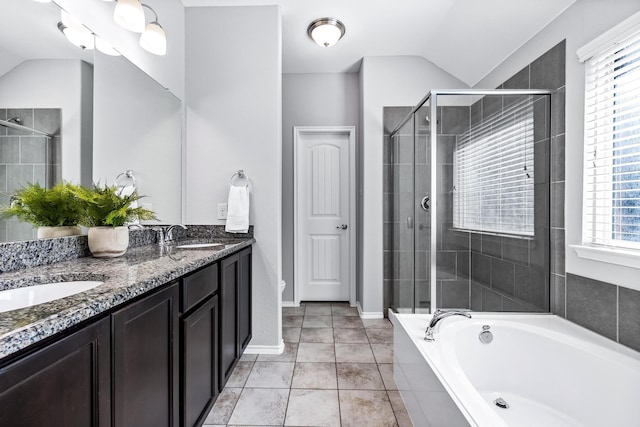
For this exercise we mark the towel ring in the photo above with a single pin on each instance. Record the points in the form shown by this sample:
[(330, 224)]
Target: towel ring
[(126, 179), (239, 179)]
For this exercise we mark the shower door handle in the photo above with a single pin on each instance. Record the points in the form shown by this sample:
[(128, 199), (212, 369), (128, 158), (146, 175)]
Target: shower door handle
[(424, 203), (409, 222)]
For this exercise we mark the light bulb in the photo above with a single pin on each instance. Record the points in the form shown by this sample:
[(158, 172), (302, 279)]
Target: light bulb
[(129, 14), (154, 39)]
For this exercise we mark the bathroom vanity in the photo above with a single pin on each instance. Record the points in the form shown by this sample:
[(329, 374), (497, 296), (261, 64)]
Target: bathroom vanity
[(152, 346)]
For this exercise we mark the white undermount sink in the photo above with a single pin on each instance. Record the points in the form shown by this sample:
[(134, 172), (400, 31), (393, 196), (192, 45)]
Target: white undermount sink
[(13, 299), (199, 245)]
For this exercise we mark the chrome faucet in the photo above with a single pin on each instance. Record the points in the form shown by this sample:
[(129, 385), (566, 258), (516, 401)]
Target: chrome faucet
[(443, 314), (165, 235)]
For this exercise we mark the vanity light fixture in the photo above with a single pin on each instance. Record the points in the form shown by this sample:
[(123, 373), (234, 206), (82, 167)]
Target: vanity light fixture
[(154, 39), (43, 1), (105, 47), (129, 14), (75, 32), (326, 31)]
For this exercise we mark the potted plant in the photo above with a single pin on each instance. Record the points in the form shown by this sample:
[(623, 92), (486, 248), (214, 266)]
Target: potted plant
[(55, 211), (106, 213)]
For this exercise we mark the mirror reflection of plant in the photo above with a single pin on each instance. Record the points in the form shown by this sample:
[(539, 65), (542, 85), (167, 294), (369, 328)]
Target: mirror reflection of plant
[(103, 206), (46, 207)]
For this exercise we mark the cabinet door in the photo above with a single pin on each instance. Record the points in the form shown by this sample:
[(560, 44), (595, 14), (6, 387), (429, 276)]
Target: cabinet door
[(244, 299), (228, 317), (64, 384), (145, 361), (200, 362)]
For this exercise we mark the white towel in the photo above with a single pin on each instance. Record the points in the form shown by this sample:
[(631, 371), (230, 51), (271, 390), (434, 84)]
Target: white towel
[(238, 210)]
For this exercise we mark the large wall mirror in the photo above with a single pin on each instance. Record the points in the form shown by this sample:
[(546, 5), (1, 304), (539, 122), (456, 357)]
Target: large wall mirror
[(100, 116)]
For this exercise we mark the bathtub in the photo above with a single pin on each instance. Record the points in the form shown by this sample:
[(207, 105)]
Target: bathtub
[(549, 371)]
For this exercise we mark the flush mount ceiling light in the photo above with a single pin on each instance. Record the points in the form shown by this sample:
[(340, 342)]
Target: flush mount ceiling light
[(129, 14), (75, 32), (154, 39), (326, 31)]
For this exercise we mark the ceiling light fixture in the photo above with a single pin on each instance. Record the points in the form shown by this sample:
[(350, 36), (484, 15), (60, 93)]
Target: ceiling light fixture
[(154, 39), (326, 31), (75, 32), (129, 14)]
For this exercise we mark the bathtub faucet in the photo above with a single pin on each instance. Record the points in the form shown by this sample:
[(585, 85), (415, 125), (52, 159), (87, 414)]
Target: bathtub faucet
[(442, 314)]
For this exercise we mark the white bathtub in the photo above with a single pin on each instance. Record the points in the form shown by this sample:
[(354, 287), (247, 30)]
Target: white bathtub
[(550, 371)]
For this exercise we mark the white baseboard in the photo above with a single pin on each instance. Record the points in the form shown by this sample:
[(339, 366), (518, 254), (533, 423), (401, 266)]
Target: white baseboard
[(265, 349), (369, 314), (290, 304)]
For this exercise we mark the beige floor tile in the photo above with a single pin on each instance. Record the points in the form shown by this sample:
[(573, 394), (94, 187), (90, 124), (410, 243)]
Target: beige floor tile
[(350, 336), (240, 374), (223, 408), (318, 375), (316, 352), (248, 357), (260, 406), (347, 322), (359, 376), (271, 375), (386, 371), (380, 336), (316, 321), (377, 323), (318, 310), (291, 334), (356, 353), (318, 408), (343, 310), (288, 355), (366, 408), (293, 311), (324, 335), (402, 416), (292, 321), (383, 352)]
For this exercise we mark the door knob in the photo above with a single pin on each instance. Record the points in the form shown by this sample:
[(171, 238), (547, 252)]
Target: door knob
[(343, 226)]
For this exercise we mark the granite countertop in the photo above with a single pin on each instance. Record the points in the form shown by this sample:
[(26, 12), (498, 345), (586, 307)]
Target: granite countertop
[(138, 271)]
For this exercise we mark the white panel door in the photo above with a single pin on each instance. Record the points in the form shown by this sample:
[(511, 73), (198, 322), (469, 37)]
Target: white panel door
[(323, 213)]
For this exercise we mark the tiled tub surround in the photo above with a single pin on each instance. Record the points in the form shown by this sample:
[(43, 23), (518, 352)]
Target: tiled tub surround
[(32, 253), (27, 158), (572, 377), (140, 270)]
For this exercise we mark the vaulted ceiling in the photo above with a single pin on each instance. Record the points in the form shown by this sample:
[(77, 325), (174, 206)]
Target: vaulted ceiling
[(467, 38)]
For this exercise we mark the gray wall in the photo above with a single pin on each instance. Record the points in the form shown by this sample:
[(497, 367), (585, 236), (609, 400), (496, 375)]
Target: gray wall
[(309, 100)]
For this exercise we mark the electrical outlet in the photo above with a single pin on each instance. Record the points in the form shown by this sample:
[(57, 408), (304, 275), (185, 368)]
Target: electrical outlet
[(222, 211)]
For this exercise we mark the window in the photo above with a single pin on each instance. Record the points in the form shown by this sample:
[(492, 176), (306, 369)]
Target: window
[(612, 145), (493, 173)]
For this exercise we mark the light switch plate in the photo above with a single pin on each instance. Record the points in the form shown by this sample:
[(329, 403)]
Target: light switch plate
[(222, 211)]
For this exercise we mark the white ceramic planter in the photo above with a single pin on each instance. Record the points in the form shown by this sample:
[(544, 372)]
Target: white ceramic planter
[(62, 231), (108, 242)]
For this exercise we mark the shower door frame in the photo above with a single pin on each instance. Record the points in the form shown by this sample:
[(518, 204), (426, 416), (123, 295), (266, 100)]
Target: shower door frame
[(432, 96)]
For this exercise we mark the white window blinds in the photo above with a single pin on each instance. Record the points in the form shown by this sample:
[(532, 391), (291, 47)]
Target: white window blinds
[(493, 173), (612, 146)]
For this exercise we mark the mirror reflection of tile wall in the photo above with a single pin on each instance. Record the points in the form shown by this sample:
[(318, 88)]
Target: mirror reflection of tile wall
[(27, 158)]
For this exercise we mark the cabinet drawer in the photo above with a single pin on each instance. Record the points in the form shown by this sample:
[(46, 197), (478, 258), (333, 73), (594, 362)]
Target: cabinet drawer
[(198, 286)]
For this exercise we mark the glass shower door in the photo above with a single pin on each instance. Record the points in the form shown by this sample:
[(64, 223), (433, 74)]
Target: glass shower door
[(422, 210)]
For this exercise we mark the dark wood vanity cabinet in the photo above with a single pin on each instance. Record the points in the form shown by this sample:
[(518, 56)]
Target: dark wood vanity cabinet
[(66, 383), (160, 360), (145, 361), (199, 345), (235, 310)]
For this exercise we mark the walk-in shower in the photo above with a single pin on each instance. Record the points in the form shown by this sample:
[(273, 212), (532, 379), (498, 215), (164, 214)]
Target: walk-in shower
[(467, 217)]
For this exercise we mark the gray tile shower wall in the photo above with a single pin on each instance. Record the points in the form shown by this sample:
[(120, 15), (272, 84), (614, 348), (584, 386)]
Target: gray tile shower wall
[(27, 158)]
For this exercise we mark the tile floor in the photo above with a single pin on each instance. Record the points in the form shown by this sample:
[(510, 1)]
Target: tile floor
[(336, 370)]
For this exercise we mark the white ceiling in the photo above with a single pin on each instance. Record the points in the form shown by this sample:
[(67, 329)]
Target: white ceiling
[(467, 38)]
